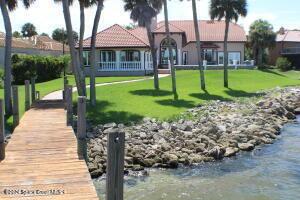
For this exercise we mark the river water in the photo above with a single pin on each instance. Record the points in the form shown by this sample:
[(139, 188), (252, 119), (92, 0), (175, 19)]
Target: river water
[(270, 172)]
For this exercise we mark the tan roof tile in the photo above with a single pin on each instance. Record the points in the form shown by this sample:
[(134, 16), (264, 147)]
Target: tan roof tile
[(289, 36)]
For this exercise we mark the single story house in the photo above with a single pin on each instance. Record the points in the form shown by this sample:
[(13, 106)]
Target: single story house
[(287, 45), (36, 45), (127, 52)]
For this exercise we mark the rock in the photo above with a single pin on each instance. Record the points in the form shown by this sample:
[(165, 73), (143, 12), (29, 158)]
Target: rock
[(230, 151), (246, 146), (96, 173), (170, 159), (297, 111), (216, 152), (110, 125), (137, 168), (290, 115), (148, 162), (165, 125)]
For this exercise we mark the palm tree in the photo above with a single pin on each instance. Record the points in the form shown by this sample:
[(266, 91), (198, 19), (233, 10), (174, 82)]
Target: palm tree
[(143, 11), (196, 27), (230, 10), (93, 52), (5, 6), (79, 76), (170, 50)]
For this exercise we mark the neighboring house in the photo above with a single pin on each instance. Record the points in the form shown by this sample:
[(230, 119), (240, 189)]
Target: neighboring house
[(37, 45), (127, 52), (287, 45)]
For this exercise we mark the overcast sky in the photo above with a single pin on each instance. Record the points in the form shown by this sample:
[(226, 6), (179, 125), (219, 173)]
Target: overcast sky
[(47, 16)]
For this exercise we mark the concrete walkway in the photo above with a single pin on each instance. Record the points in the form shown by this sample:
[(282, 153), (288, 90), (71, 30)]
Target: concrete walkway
[(58, 94)]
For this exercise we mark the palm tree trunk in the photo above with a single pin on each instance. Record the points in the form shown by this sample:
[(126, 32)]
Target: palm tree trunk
[(93, 53), (74, 57), (202, 79), (7, 61), (226, 54), (153, 53), (81, 35), (170, 50), (260, 57)]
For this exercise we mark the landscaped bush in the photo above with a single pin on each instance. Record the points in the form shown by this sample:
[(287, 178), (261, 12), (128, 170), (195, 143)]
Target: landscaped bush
[(44, 68), (283, 64)]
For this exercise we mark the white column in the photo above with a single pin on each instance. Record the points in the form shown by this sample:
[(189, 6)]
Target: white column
[(142, 59), (179, 57), (157, 56), (118, 60)]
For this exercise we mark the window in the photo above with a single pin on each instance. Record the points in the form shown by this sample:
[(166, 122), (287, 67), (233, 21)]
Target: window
[(234, 56), (221, 58), (86, 58), (185, 58), (164, 51), (130, 56), (107, 56)]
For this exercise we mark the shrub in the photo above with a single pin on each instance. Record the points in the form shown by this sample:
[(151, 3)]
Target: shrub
[(283, 64), (44, 68)]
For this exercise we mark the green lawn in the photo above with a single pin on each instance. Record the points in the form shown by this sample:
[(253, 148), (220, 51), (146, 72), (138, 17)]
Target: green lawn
[(133, 101), (57, 84)]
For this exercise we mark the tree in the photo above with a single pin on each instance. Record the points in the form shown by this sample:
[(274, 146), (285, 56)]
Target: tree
[(61, 36), (197, 34), (230, 10), (143, 12), (5, 6), (171, 58), (93, 52), (130, 26), (44, 34), (261, 36), (79, 76), (16, 34), (28, 30)]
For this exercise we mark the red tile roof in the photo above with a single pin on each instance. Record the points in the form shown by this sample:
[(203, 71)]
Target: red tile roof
[(289, 36), (210, 31), (117, 36)]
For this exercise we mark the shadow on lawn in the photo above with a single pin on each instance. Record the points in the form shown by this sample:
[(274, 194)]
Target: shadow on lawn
[(209, 97), (271, 72), (240, 93), (176, 103), (98, 115), (151, 92)]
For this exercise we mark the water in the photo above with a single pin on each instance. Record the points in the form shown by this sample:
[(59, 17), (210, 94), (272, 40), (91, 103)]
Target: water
[(272, 172)]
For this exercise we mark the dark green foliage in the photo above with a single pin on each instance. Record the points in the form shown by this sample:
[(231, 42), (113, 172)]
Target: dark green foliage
[(283, 64), (28, 30), (1, 77), (44, 68)]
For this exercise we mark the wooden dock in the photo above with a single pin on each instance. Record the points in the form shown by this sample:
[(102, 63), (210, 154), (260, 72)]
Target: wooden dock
[(42, 161)]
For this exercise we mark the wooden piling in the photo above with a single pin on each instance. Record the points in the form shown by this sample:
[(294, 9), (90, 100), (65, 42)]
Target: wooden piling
[(2, 132), (115, 165), (27, 95), (32, 89), (69, 105), (81, 128), (16, 115)]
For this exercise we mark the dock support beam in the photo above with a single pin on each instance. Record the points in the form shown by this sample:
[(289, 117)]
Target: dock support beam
[(69, 105), (16, 116), (33, 89), (115, 165), (2, 132), (81, 128), (27, 95)]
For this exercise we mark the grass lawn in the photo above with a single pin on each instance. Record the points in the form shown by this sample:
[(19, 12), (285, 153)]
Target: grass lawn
[(132, 101), (57, 84)]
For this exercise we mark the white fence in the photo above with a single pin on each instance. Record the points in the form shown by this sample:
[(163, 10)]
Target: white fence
[(124, 66)]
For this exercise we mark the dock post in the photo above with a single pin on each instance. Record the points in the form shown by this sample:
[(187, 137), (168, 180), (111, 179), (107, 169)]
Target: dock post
[(2, 132), (69, 105), (27, 95), (33, 89), (115, 164), (81, 128), (16, 116)]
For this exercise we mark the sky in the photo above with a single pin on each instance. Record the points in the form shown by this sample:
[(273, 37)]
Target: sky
[(47, 16)]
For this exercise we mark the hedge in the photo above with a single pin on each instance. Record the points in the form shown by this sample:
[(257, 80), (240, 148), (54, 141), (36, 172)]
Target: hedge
[(44, 68), (283, 64)]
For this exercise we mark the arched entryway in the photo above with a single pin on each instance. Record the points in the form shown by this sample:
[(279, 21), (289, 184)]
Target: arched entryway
[(164, 51)]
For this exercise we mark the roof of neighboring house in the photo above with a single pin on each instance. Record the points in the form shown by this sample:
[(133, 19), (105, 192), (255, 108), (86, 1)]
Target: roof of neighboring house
[(117, 36), (36, 42), (210, 31), (288, 36)]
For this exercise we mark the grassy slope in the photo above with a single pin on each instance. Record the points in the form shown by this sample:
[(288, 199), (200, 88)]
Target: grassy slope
[(57, 84), (133, 101)]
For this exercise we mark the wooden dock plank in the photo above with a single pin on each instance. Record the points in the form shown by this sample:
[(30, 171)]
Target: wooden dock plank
[(42, 155)]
